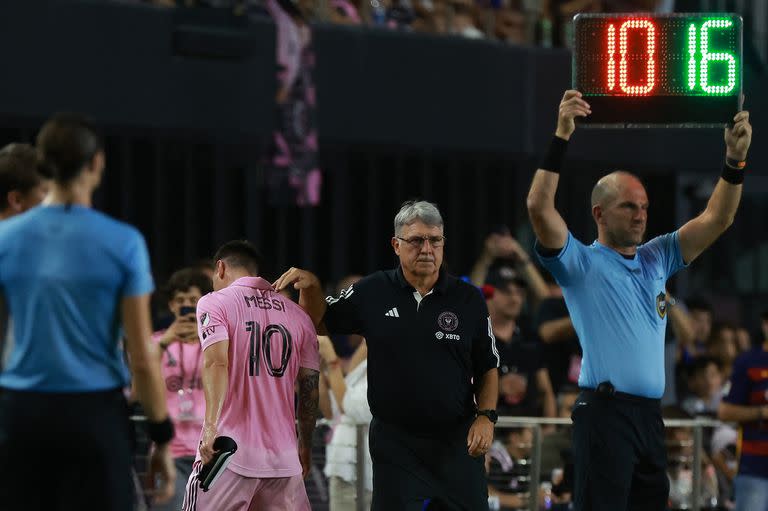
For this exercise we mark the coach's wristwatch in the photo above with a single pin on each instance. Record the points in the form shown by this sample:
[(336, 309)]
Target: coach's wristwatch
[(491, 414)]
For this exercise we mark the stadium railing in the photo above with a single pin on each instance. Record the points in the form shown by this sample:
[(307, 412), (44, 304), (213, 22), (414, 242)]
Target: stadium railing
[(317, 485)]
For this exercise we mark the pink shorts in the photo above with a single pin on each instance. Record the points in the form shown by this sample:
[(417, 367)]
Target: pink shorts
[(233, 492)]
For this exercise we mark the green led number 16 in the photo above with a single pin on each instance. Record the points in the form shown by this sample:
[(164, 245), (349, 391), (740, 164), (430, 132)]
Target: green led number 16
[(707, 57)]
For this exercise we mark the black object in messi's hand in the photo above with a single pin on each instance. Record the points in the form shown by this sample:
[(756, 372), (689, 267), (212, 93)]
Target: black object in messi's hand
[(224, 447)]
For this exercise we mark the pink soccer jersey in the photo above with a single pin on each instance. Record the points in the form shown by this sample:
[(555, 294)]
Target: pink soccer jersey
[(181, 368), (270, 337)]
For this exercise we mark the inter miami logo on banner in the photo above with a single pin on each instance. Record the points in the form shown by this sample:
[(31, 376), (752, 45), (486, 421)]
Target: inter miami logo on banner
[(661, 305)]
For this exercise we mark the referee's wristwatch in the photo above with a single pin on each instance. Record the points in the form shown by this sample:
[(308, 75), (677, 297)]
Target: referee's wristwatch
[(491, 414)]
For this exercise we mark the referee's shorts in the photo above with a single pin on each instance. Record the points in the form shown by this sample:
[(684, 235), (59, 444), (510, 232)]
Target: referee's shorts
[(409, 470), (65, 451), (620, 457)]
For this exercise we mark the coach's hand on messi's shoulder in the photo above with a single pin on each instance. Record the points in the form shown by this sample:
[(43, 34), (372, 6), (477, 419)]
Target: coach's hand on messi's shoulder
[(301, 279)]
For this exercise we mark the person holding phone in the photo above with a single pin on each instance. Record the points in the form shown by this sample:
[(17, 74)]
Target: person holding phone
[(181, 365)]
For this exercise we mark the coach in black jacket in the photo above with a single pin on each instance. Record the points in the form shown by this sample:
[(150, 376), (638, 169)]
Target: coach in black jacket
[(432, 369)]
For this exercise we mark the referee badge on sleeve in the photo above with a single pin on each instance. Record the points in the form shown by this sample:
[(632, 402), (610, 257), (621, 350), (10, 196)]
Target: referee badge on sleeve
[(661, 305)]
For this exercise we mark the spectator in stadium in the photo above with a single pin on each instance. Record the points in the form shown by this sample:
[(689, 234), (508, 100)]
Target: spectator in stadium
[(722, 347), (70, 278), (680, 322), (464, 19), (400, 14), (524, 385), (747, 404), (509, 468), (430, 17), (705, 387), (510, 25), (615, 291), (764, 327), (561, 348), (24, 181), (257, 348), (700, 312), (350, 396), (680, 471), (743, 340), (432, 368), (291, 170), (561, 12), (556, 445), (680, 332), (634, 5), (344, 12), (723, 449), (500, 247), (180, 359)]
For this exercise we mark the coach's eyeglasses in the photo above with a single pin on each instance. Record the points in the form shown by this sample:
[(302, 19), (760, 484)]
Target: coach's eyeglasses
[(418, 241)]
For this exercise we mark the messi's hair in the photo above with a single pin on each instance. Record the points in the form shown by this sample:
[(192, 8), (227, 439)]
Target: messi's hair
[(241, 254)]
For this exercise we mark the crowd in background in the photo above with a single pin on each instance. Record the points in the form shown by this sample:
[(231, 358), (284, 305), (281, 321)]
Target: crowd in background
[(544, 22), (539, 369), (538, 347)]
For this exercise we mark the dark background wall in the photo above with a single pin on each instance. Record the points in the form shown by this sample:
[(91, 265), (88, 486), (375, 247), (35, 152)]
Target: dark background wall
[(185, 98)]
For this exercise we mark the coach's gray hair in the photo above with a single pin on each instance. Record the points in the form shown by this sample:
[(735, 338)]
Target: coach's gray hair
[(411, 211)]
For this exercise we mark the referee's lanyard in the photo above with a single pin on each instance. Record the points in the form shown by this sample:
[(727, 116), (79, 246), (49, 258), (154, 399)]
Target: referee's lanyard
[(186, 395)]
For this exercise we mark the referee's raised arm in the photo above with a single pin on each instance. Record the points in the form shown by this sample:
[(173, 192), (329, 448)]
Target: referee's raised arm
[(700, 232), (549, 226)]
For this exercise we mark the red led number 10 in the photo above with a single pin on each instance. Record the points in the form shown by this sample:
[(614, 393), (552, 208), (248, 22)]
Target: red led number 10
[(650, 68)]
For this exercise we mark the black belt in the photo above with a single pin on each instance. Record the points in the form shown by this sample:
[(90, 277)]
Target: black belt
[(607, 390)]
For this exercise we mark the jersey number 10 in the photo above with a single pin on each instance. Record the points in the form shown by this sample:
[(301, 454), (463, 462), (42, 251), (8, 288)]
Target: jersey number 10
[(260, 344)]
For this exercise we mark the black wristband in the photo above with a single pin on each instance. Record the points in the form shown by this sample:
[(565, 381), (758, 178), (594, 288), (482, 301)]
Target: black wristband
[(733, 176), (160, 432), (736, 164), (553, 160)]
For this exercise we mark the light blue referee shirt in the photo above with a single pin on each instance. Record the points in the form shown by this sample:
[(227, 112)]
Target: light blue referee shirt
[(63, 273), (618, 310)]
